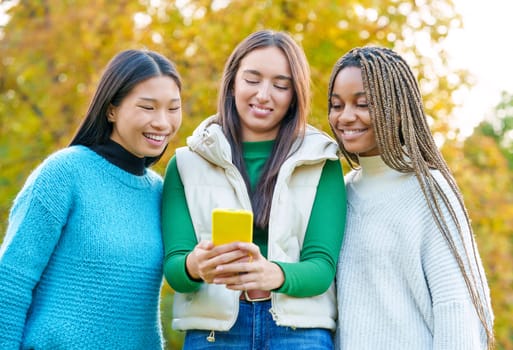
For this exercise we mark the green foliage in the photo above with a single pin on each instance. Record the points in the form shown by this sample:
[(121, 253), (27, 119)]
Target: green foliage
[(52, 53)]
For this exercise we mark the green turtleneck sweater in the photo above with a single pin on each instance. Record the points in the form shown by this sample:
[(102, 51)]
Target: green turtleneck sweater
[(315, 271)]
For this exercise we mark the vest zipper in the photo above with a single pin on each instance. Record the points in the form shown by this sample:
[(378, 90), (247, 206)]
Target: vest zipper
[(211, 337), (274, 315)]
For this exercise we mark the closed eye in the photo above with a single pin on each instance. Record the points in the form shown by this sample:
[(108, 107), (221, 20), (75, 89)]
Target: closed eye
[(336, 106), (251, 82)]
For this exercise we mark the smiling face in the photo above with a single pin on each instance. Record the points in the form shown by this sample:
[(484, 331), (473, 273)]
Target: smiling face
[(147, 117), (263, 93), (349, 114)]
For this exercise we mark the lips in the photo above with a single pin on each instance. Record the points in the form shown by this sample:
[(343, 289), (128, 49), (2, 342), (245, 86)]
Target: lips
[(352, 134)]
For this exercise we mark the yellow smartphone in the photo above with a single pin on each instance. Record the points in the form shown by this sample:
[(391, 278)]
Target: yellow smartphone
[(231, 225)]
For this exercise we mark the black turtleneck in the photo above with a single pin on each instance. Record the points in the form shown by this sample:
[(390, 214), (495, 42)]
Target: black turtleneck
[(120, 157)]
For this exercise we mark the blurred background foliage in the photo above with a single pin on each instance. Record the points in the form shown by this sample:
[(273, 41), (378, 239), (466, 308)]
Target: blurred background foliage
[(52, 53)]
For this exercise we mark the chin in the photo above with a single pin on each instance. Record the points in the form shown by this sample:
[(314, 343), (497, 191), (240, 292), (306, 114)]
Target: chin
[(153, 155), (350, 149), (153, 152)]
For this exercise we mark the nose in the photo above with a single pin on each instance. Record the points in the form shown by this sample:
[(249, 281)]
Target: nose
[(347, 115), (263, 93), (161, 119)]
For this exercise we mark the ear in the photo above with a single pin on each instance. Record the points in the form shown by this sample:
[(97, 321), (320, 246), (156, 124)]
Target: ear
[(111, 113)]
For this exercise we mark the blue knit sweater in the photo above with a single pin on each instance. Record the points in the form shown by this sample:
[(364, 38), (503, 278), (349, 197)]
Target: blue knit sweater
[(81, 262)]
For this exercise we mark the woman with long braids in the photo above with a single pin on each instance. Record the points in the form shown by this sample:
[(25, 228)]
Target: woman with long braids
[(409, 273)]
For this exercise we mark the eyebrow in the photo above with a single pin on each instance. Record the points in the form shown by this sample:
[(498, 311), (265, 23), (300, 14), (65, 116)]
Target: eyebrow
[(357, 94), (279, 76), (154, 100)]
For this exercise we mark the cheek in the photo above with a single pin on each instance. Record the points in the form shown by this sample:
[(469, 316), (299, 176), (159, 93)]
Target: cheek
[(238, 107), (176, 122), (238, 98), (287, 99), (177, 119), (365, 117), (372, 137), (332, 119), (240, 92)]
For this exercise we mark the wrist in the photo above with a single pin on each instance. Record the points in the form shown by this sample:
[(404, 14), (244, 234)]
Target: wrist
[(280, 276), (191, 273)]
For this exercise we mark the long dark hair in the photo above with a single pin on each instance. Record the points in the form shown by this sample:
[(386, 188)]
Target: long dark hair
[(292, 126), (124, 71)]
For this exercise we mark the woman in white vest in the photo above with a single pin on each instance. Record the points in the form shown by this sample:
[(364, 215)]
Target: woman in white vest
[(257, 153), (409, 275)]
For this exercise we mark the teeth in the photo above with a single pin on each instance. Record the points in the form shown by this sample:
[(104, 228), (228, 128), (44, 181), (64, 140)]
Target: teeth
[(261, 109), (352, 132), (155, 137)]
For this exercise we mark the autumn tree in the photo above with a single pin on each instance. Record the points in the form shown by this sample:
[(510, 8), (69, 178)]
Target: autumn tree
[(482, 172), (482, 167), (52, 53)]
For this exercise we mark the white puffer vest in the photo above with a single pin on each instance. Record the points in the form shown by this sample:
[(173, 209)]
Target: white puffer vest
[(210, 181)]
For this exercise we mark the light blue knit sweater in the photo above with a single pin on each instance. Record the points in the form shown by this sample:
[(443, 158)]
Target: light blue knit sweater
[(398, 285), (81, 262)]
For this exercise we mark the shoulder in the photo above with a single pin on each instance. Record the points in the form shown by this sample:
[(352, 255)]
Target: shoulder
[(171, 175), (59, 170), (197, 163), (203, 131), (69, 157), (440, 179), (61, 164), (184, 156), (318, 135), (154, 177), (447, 186), (316, 144), (71, 153), (332, 176), (155, 182), (351, 175), (209, 142)]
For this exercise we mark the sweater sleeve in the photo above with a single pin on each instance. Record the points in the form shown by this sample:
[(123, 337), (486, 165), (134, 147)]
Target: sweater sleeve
[(178, 232), (315, 271), (36, 220), (456, 324)]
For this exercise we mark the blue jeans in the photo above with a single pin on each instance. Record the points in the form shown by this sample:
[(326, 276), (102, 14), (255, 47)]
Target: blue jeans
[(255, 329)]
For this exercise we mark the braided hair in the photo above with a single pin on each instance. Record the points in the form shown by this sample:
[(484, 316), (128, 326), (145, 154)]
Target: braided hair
[(406, 144)]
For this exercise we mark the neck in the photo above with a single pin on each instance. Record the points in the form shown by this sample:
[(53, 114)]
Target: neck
[(120, 157), (375, 176)]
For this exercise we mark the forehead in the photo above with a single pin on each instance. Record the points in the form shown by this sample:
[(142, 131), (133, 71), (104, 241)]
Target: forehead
[(350, 77), (157, 82), (159, 87), (266, 61)]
